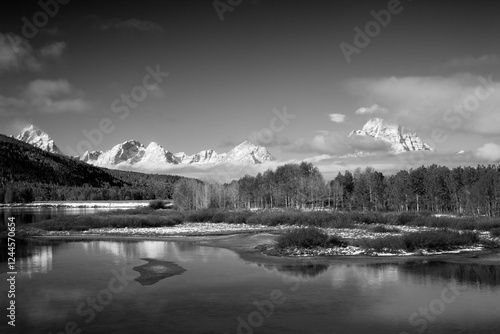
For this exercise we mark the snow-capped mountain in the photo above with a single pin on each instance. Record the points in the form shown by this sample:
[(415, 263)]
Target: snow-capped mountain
[(36, 137), (133, 153), (400, 138), (247, 153)]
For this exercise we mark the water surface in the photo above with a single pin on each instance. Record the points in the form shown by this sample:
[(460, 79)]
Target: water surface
[(28, 215), (58, 282)]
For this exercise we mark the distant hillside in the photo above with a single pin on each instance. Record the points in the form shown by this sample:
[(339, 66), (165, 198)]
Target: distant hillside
[(28, 173), (26, 163)]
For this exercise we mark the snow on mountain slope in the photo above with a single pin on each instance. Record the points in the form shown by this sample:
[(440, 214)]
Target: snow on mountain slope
[(202, 157), (36, 137), (128, 152), (133, 153), (400, 138), (156, 154), (247, 153)]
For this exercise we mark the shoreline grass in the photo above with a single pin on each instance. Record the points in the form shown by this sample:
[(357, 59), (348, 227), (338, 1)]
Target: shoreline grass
[(110, 219), (426, 240), (452, 231)]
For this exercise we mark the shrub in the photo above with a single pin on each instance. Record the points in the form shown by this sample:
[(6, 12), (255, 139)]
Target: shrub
[(335, 241), (438, 239), (370, 218), (219, 217), (274, 218), (340, 221), (295, 217), (239, 217), (157, 204), (389, 243), (430, 240), (306, 237), (403, 218), (495, 233), (82, 223), (383, 229), (200, 216)]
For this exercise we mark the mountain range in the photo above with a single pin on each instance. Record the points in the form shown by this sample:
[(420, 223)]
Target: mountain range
[(134, 153)]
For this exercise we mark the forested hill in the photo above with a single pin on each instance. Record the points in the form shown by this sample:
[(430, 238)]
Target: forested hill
[(22, 162), (28, 173)]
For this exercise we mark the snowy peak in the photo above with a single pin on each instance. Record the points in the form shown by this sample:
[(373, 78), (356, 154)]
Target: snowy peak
[(90, 156), (400, 138), (202, 157), (36, 137), (155, 153), (206, 156), (248, 153)]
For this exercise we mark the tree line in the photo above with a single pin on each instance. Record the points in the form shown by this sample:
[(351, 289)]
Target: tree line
[(23, 192), (461, 190)]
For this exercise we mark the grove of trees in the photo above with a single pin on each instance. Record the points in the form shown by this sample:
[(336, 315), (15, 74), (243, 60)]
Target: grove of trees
[(461, 190)]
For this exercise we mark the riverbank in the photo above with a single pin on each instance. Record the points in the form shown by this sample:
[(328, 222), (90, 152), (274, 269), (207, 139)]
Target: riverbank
[(80, 204), (257, 244)]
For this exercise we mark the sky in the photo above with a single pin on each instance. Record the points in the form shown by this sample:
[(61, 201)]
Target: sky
[(294, 76)]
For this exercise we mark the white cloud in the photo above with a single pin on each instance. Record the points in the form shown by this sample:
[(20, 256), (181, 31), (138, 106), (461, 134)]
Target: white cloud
[(489, 152), (46, 88), (16, 54), (266, 138), (325, 142), (489, 59), (53, 50), (45, 97), (427, 103), (337, 118), (375, 108), (328, 166)]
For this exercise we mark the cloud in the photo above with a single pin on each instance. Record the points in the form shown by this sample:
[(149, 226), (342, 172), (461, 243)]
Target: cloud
[(267, 138), (47, 88), (375, 108), (329, 166), (53, 50), (337, 118), (139, 25), (17, 54), (489, 152), (462, 102), (325, 142), (489, 59), (45, 97)]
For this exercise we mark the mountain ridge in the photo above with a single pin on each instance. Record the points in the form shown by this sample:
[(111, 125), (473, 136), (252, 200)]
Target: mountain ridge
[(38, 138), (401, 138)]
